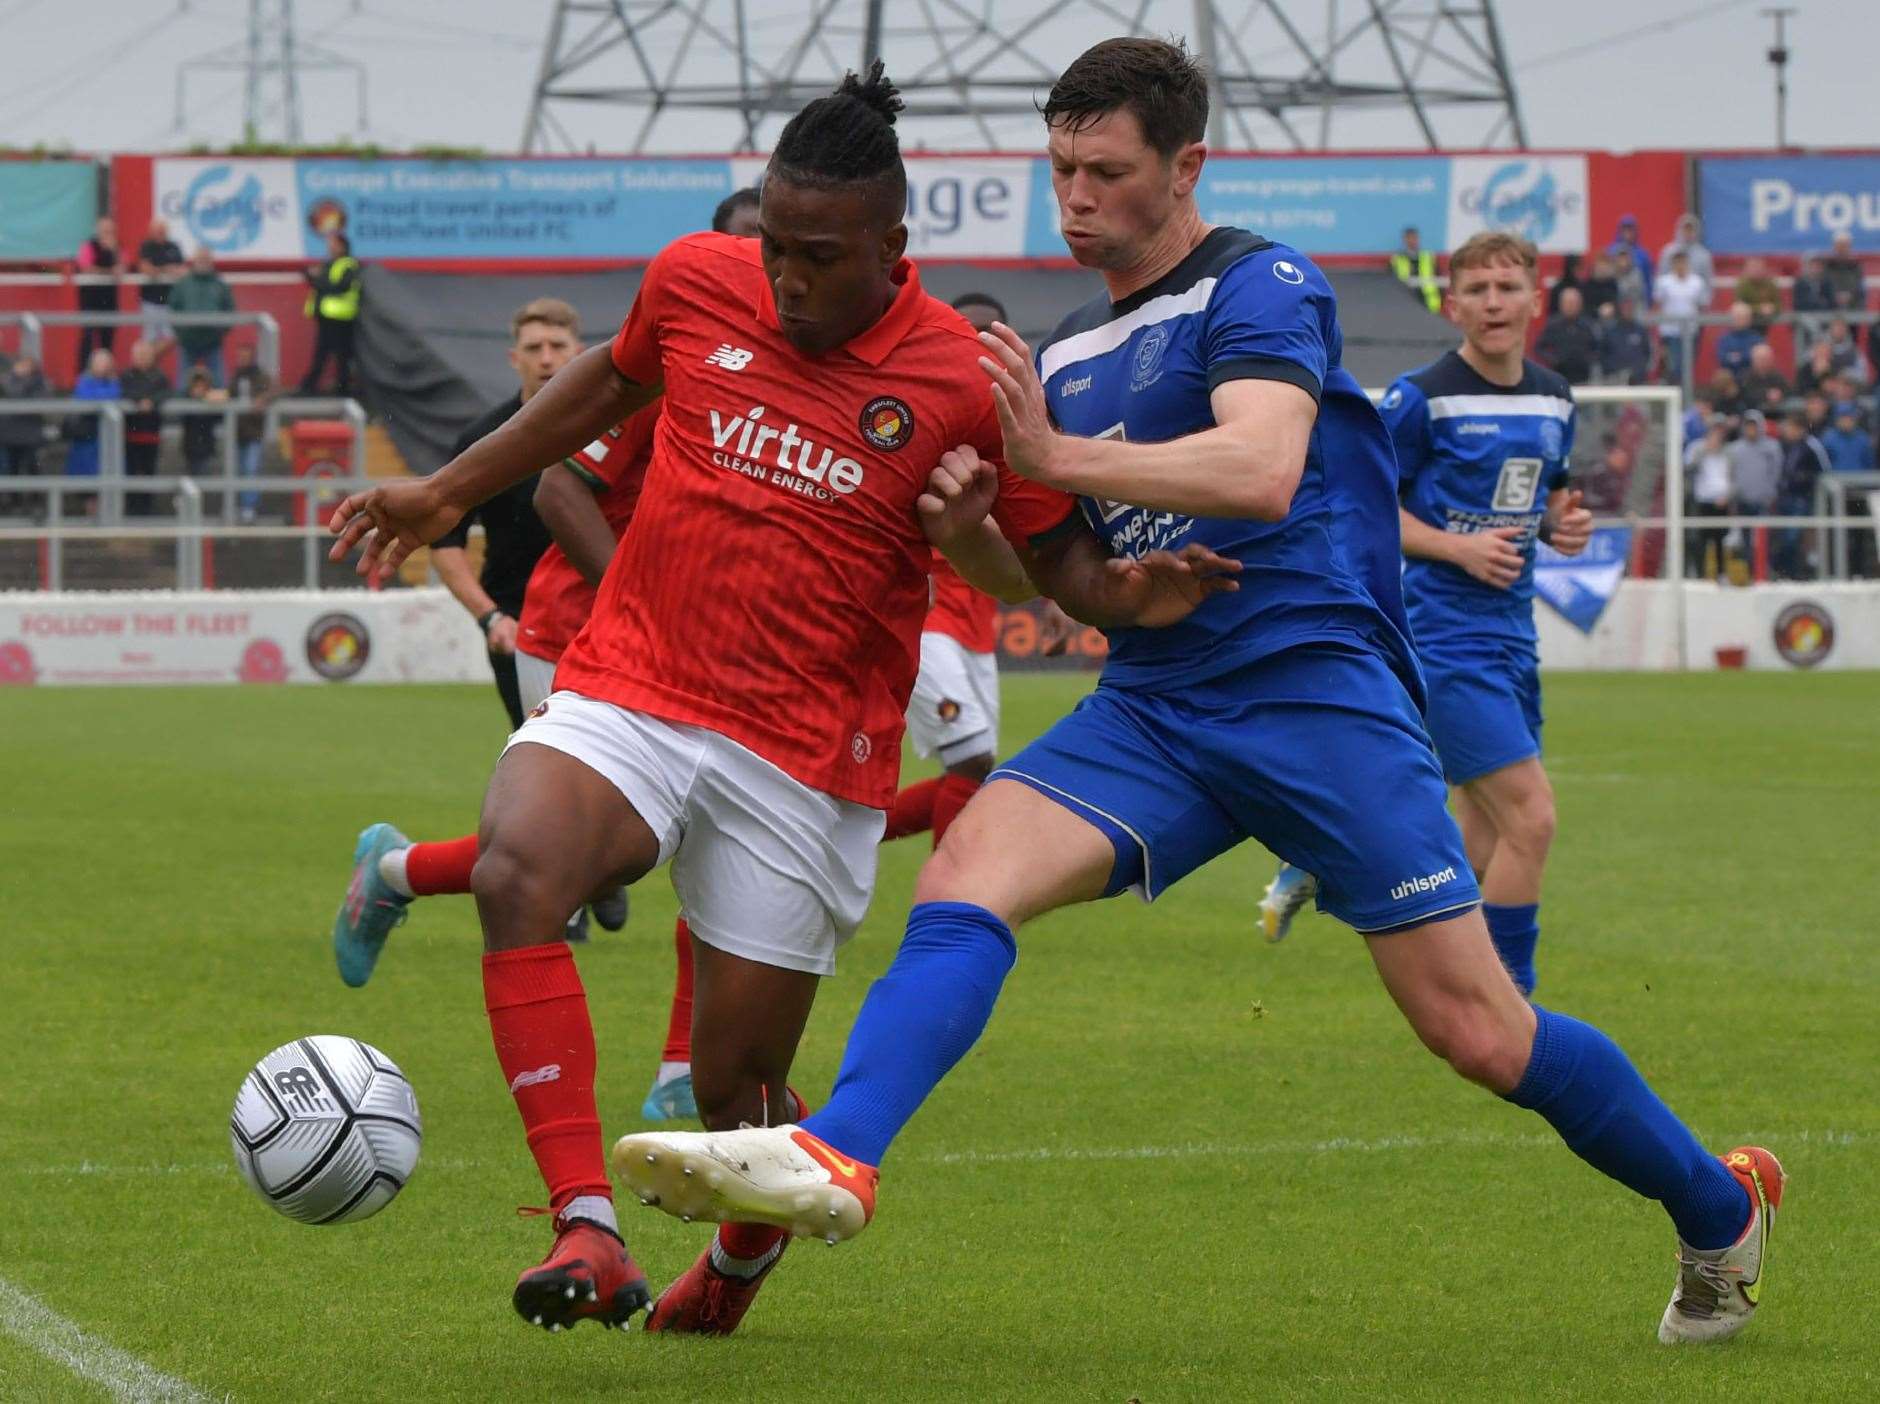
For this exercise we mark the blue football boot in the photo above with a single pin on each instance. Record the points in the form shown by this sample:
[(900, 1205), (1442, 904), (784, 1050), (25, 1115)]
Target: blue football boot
[(371, 908)]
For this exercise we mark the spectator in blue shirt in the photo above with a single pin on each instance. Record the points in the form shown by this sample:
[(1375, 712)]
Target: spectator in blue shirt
[(1736, 347), (1850, 447), (1627, 247)]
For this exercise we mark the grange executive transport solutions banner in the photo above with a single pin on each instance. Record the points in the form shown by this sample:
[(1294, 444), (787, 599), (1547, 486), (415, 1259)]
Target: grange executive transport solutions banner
[(959, 207)]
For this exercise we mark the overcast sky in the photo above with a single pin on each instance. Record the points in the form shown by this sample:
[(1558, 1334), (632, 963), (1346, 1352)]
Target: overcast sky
[(101, 75)]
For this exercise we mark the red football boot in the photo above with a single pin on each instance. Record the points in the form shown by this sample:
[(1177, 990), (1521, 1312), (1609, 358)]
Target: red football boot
[(587, 1276), (707, 1302)]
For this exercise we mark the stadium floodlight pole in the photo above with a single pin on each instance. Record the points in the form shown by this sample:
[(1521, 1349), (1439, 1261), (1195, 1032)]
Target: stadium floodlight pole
[(1779, 60), (1206, 51)]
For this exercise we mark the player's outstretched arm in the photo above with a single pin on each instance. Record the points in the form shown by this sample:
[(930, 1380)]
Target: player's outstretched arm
[(1112, 592), (954, 514), (1248, 465), (581, 402), (574, 518)]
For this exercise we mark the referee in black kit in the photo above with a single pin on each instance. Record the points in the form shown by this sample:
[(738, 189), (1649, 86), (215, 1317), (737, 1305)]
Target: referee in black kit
[(544, 336)]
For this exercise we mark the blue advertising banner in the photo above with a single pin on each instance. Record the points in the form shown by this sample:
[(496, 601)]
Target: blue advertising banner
[(1789, 204), (1580, 587), (959, 207), (47, 208), (492, 209), (1329, 206)]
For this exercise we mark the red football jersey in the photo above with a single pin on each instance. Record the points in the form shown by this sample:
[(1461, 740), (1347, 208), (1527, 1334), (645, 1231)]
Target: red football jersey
[(558, 601), (959, 611), (772, 583)]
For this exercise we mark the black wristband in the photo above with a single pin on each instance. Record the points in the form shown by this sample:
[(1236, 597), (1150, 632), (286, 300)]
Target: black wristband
[(485, 620), (1546, 530)]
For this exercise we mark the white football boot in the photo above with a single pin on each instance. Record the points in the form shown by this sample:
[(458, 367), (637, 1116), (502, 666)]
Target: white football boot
[(779, 1175), (1719, 1289)]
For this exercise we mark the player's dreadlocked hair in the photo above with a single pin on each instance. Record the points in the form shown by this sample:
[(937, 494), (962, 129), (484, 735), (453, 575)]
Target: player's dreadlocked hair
[(846, 138)]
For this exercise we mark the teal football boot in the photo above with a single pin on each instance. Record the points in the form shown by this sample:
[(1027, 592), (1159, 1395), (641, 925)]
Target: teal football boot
[(371, 908)]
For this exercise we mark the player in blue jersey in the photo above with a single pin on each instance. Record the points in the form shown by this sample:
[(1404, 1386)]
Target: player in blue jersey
[(1201, 403), (1483, 436)]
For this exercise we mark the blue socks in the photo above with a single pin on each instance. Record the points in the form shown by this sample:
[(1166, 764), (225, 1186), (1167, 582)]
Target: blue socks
[(1515, 930), (919, 1019), (1592, 1095)]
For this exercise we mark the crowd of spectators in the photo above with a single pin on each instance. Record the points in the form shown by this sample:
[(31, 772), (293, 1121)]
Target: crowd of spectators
[(171, 286), (1784, 392)]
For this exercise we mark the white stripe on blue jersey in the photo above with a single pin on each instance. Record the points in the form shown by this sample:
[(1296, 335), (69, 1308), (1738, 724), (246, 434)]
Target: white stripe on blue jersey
[(1500, 406), (1099, 341)]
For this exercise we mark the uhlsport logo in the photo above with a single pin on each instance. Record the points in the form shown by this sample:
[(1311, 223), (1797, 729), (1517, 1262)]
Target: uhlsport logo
[(746, 444), (887, 423), (338, 646), (1288, 272), (1522, 197), (1429, 882), (1804, 634), (224, 209)]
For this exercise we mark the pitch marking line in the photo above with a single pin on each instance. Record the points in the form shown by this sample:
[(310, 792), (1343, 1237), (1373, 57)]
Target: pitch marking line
[(1191, 1150), (122, 1375)]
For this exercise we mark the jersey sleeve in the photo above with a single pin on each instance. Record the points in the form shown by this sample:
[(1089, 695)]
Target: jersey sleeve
[(1407, 417), (1024, 510), (1558, 479), (620, 451), (636, 349), (1271, 317)]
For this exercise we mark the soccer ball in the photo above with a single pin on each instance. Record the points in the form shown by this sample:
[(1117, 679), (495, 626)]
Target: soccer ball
[(326, 1129)]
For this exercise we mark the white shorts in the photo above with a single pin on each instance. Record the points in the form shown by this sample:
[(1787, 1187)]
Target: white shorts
[(955, 708), (765, 867), (535, 679)]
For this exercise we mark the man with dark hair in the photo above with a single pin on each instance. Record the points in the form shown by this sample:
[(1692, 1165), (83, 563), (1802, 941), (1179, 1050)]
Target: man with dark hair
[(737, 213), (735, 703), (1415, 267), (1569, 343), (1804, 460), (1203, 401), (333, 293)]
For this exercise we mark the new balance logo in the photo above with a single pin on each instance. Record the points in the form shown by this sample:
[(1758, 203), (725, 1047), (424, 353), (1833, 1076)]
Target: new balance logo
[(1429, 882), (732, 358), (535, 1077)]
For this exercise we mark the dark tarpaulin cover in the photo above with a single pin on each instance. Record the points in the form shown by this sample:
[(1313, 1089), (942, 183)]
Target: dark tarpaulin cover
[(432, 345)]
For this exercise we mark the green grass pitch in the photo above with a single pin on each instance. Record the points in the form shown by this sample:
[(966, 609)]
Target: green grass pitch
[(1181, 1165)]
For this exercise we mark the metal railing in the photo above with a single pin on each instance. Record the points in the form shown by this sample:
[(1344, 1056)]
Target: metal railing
[(189, 530), (110, 481), (1685, 333), (33, 326)]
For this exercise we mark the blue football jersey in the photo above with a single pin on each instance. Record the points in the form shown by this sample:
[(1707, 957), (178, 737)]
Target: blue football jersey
[(1240, 307), (1473, 455)]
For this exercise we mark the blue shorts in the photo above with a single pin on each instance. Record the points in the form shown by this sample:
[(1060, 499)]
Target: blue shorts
[(1485, 703), (1318, 752)]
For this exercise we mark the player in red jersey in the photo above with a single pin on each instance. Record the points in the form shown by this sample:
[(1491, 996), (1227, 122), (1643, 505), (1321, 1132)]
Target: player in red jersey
[(734, 705), (585, 502)]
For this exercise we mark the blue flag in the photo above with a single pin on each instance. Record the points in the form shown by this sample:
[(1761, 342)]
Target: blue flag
[(1580, 587)]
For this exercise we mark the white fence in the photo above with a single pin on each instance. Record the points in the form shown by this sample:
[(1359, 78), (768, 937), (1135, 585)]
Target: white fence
[(228, 636)]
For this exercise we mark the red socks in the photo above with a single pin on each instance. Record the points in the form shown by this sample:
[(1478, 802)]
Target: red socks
[(679, 1021), (928, 804), (545, 1043), (955, 790), (912, 810), (432, 868), (750, 1242)]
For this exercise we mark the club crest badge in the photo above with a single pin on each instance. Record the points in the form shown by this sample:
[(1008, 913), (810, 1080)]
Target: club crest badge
[(887, 423)]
